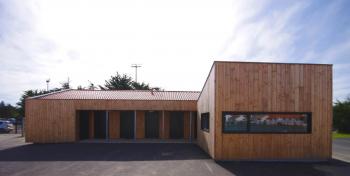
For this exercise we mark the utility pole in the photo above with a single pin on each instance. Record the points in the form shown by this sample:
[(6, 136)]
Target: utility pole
[(47, 84), (136, 66)]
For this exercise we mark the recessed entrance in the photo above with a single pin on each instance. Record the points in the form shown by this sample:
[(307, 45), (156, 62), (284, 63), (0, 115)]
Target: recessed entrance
[(176, 125), (127, 123), (100, 125), (152, 124), (83, 125)]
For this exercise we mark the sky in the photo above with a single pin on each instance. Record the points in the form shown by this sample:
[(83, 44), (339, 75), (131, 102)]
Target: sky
[(175, 41)]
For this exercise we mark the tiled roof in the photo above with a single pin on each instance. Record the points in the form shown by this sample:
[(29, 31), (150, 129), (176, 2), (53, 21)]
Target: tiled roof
[(121, 95)]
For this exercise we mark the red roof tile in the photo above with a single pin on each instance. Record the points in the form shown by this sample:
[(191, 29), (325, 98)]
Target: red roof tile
[(121, 95)]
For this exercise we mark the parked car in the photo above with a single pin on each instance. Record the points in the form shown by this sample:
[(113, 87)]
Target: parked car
[(5, 126), (12, 120)]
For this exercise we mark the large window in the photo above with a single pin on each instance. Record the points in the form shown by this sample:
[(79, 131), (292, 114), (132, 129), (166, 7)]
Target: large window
[(205, 121), (234, 122)]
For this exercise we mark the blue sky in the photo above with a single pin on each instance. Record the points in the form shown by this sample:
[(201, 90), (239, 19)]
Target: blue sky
[(91, 40)]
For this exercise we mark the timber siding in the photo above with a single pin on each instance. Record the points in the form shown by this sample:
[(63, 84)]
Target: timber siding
[(54, 121), (230, 87), (270, 87)]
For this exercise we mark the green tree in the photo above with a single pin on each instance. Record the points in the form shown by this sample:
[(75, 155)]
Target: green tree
[(65, 85), (31, 93), (124, 82), (341, 116), (7, 110), (140, 86)]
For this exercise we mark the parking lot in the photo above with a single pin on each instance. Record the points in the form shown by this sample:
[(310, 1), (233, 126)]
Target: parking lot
[(18, 158)]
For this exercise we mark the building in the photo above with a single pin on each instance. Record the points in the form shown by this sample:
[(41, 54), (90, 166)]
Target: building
[(245, 111)]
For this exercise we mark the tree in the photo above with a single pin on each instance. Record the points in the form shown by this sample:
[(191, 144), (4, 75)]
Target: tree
[(92, 86), (80, 87), (124, 82), (341, 116), (140, 86), (31, 93), (7, 110), (65, 85), (119, 82)]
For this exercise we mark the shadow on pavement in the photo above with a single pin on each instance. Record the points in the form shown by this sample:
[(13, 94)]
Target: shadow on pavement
[(327, 168), (103, 152)]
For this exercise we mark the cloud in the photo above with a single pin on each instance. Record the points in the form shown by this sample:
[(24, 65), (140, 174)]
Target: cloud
[(176, 42), (296, 31)]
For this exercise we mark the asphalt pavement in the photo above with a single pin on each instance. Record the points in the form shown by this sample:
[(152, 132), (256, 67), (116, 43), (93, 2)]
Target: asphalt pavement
[(341, 149), (18, 158)]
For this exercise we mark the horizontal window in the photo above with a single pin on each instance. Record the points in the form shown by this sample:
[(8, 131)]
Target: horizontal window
[(205, 121), (266, 122), (235, 122)]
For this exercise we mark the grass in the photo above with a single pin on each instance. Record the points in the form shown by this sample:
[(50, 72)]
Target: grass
[(340, 135)]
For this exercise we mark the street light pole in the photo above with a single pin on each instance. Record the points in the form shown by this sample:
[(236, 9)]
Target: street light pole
[(135, 66), (47, 84)]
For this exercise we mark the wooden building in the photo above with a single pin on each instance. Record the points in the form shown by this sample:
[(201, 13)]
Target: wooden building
[(245, 111), (74, 115), (266, 111)]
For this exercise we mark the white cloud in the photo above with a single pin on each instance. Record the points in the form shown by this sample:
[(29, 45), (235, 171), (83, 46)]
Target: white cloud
[(175, 41)]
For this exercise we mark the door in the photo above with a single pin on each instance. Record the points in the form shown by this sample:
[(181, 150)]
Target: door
[(152, 124), (176, 125), (127, 123), (100, 124), (83, 125)]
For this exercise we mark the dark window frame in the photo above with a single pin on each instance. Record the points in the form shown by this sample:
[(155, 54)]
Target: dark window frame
[(308, 131), (205, 115)]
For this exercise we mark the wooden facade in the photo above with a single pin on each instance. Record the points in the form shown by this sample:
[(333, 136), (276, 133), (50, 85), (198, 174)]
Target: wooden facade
[(267, 87), (230, 87), (54, 121)]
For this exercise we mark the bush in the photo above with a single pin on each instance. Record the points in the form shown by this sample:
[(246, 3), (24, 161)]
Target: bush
[(341, 116)]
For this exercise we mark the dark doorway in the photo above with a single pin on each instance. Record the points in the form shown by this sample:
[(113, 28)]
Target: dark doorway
[(127, 124), (176, 125), (152, 124), (83, 125), (194, 121), (100, 124)]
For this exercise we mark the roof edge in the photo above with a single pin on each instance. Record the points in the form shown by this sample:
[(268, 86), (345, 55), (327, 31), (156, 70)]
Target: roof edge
[(190, 91), (47, 94), (252, 62), (206, 80)]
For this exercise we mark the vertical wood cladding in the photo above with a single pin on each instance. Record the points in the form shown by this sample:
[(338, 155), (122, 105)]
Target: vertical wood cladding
[(187, 125), (166, 125), (206, 103), (91, 125), (54, 121), (140, 124), (114, 124), (230, 86), (263, 87)]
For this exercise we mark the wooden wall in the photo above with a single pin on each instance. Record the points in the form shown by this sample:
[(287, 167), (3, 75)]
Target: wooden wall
[(166, 130), (114, 124), (206, 103), (263, 87), (140, 124), (54, 121)]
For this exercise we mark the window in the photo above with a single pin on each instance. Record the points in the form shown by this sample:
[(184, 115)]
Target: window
[(205, 121), (235, 122), (266, 122)]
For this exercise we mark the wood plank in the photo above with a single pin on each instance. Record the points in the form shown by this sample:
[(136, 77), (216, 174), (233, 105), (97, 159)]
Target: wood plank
[(114, 124), (91, 125), (140, 124), (187, 125), (275, 88)]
